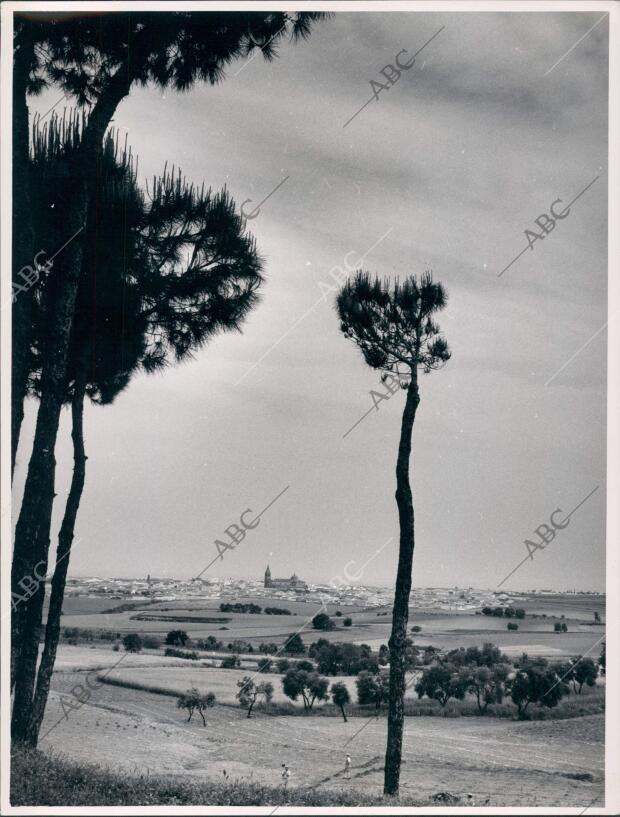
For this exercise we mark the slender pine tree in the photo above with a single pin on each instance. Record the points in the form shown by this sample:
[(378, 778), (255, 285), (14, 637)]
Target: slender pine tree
[(393, 326)]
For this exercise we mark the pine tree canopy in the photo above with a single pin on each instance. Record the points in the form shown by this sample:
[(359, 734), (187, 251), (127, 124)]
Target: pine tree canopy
[(392, 323), (82, 53)]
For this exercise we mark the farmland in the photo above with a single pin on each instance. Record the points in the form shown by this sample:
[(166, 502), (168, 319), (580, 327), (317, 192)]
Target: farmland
[(201, 618), (554, 763), (131, 722)]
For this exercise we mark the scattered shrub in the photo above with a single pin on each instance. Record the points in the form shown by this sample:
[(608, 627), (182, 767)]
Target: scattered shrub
[(210, 643), (309, 685), (343, 657), (536, 684), (371, 689), (132, 642), (340, 697), (240, 646), (442, 682), (249, 693), (230, 662), (177, 638), (193, 700), (294, 645), (322, 622)]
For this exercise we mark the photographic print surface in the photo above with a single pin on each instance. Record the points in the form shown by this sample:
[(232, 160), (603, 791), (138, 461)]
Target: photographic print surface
[(309, 407)]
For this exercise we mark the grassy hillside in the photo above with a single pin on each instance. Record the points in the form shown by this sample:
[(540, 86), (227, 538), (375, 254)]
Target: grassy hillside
[(39, 779)]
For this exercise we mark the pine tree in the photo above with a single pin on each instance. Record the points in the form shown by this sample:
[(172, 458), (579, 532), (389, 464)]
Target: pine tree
[(393, 326), (164, 271)]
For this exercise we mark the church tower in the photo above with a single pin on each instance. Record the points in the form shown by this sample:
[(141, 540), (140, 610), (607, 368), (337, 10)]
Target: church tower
[(267, 577)]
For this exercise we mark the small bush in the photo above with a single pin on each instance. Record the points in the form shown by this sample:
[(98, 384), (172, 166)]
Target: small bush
[(177, 638), (347, 622), (322, 622), (230, 662), (132, 642)]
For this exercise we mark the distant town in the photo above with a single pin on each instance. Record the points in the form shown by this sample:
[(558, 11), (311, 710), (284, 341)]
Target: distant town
[(294, 588)]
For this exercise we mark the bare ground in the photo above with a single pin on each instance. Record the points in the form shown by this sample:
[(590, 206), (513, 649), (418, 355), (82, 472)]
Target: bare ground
[(506, 762)]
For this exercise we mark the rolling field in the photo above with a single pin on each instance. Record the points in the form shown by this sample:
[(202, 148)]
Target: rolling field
[(223, 682), (442, 629), (553, 763)]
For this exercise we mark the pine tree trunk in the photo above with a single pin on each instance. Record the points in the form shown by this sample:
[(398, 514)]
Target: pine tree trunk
[(32, 533), (23, 240), (65, 540), (400, 615)]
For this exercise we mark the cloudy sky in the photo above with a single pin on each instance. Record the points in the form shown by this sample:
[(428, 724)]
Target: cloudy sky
[(444, 171)]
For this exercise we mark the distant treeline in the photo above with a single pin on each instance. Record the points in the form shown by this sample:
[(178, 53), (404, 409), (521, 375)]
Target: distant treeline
[(183, 619), (508, 612), (129, 605), (240, 607)]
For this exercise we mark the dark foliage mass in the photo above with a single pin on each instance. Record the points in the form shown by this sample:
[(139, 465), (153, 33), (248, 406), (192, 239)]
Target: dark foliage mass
[(343, 658), (187, 271), (240, 607)]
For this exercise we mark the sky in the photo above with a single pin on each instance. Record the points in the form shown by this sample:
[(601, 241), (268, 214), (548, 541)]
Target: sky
[(444, 170)]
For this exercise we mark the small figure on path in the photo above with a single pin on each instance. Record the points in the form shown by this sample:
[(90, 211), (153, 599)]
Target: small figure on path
[(347, 767), (470, 800), (286, 774)]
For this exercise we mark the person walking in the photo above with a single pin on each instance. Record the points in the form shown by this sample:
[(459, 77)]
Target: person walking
[(347, 767), (286, 775)]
